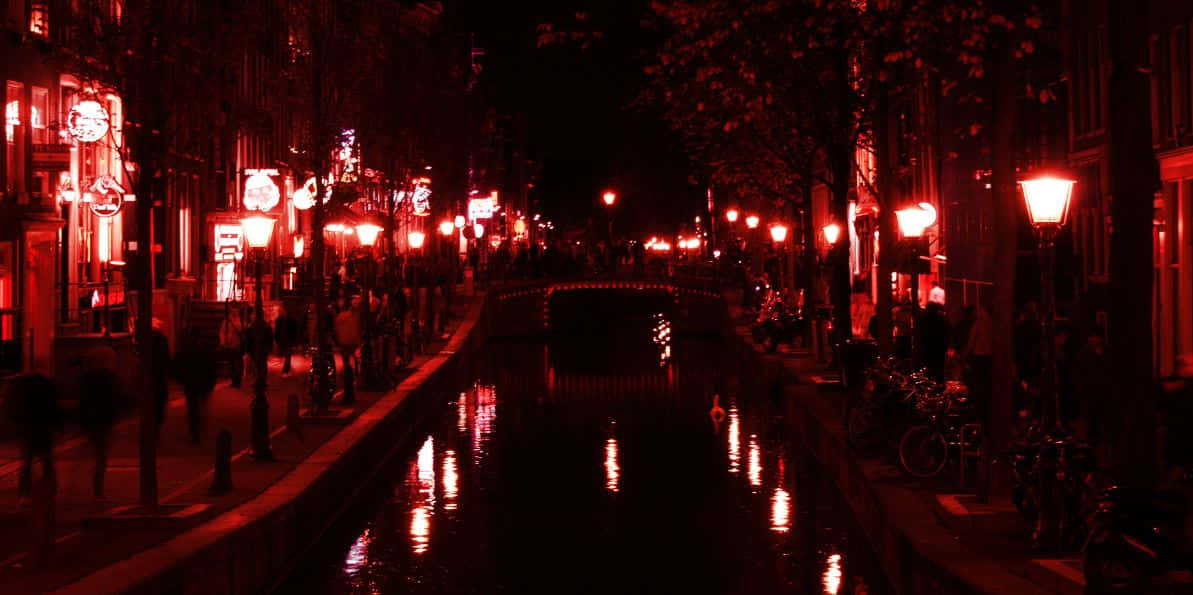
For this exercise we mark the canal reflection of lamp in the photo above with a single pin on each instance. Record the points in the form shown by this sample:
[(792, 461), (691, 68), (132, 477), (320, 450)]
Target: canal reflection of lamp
[(754, 462), (1048, 199), (258, 230), (612, 470)]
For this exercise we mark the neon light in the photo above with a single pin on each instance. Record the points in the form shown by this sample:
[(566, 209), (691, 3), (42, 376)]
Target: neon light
[(261, 193), (88, 121)]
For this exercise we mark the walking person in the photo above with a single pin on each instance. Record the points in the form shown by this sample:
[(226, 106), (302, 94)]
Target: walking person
[(196, 370), (934, 339), (978, 356), (232, 344), (102, 399), (285, 333), (31, 405), (347, 335)]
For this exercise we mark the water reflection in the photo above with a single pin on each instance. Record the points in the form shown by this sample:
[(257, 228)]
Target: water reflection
[(661, 335), (780, 511), (832, 575), (486, 416), (734, 440), (462, 412), (420, 529), (612, 471), (358, 553), (450, 480), (754, 463)]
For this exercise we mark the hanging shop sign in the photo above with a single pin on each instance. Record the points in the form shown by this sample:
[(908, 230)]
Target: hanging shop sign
[(420, 199), (106, 196), (482, 208), (304, 197), (261, 191), (229, 242), (495, 241), (55, 157), (88, 121)]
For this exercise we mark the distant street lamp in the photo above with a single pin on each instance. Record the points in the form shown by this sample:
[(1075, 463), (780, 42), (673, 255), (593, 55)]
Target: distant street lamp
[(913, 221), (1048, 199), (367, 233), (610, 197), (752, 221), (416, 239), (778, 233), (832, 232), (258, 230), (446, 228), (731, 215)]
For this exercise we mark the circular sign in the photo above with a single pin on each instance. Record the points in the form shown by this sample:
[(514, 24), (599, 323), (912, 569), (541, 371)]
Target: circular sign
[(107, 196), (88, 121), (495, 241), (260, 193)]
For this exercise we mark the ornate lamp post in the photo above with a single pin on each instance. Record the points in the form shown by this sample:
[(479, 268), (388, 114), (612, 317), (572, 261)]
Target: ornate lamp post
[(258, 230), (778, 234), (367, 233), (832, 232), (1048, 199), (913, 221), (415, 239), (752, 221), (610, 197), (731, 215)]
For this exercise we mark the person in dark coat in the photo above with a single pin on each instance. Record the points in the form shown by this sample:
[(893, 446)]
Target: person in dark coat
[(286, 334), (101, 399), (159, 371), (31, 405), (934, 339), (196, 367)]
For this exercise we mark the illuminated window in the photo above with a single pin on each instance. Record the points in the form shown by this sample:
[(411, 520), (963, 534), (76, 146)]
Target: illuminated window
[(14, 131), (39, 18), (184, 240), (41, 104)]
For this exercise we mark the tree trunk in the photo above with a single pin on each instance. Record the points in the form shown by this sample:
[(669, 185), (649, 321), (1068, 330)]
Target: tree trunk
[(886, 188), (1006, 213), (840, 281), (1131, 438)]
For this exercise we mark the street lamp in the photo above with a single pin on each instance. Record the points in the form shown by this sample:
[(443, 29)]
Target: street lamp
[(752, 221), (731, 215), (416, 239), (258, 230), (1048, 199), (778, 233), (913, 221), (367, 233), (609, 197), (446, 228), (832, 232)]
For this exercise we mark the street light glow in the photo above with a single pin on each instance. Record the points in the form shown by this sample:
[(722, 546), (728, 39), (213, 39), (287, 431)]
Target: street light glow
[(752, 221), (778, 233), (832, 232), (1047, 199), (416, 239), (446, 228), (915, 219), (367, 232), (258, 229), (609, 197), (731, 215)]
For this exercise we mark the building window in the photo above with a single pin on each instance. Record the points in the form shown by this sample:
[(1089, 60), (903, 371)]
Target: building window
[(14, 133), (39, 115), (39, 18)]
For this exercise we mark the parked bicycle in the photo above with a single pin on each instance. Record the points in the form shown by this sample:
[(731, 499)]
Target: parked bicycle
[(924, 449)]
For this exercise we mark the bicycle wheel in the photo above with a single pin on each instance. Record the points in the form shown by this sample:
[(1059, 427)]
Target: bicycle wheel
[(923, 451), (861, 424)]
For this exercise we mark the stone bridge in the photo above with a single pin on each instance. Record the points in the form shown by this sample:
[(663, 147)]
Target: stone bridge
[(693, 304)]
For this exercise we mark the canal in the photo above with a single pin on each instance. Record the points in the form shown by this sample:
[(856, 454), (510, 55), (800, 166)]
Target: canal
[(591, 462)]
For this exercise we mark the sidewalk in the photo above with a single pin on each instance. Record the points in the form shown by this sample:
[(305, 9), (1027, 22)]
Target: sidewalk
[(184, 474), (984, 547)]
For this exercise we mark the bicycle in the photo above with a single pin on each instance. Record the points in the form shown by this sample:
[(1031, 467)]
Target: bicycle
[(924, 448)]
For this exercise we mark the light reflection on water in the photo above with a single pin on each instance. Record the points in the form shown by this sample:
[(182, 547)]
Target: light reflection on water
[(453, 510)]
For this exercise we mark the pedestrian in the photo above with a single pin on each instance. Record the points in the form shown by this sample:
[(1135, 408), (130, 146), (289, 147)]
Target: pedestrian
[(862, 310), (934, 339), (258, 343), (1091, 382), (347, 335), (232, 344), (102, 398), (31, 406), (286, 333), (196, 370), (159, 358), (901, 323), (978, 357)]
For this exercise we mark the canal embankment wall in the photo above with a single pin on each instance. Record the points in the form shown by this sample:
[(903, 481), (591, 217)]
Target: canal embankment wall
[(249, 548), (918, 555)]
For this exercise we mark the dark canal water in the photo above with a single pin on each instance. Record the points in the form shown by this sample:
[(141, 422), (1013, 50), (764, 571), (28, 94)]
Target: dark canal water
[(590, 463)]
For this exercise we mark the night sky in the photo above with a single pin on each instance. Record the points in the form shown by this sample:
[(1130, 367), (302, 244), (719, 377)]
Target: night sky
[(583, 128)]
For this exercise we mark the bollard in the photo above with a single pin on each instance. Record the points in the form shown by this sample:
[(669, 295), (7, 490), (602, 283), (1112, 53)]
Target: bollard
[(43, 521), (293, 424), (223, 463)]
